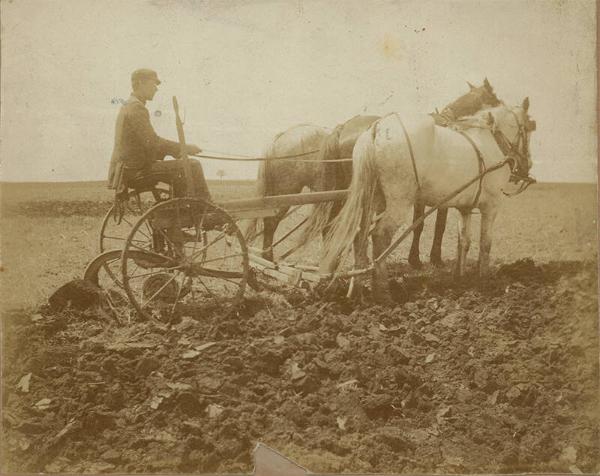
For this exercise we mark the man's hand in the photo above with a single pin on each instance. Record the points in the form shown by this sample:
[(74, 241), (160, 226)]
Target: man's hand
[(192, 149)]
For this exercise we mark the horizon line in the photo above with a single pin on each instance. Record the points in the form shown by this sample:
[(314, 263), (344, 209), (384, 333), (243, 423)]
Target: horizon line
[(16, 182)]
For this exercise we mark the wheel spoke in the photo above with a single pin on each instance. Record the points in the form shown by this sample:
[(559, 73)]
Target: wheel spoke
[(233, 282), (145, 250), (159, 290), (218, 238), (198, 229), (151, 273), (149, 228), (177, 296), (208, 264), (211, 293), (127, 221), (131, 226), (222, 258), (122, 239)]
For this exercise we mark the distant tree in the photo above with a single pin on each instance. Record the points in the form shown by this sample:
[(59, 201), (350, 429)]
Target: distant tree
[(221, 174)]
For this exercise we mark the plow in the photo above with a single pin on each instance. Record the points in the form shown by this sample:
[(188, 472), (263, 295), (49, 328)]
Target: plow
[(188, 254)]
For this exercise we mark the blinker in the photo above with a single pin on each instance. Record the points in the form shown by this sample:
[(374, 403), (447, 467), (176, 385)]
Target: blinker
[(531, 125)]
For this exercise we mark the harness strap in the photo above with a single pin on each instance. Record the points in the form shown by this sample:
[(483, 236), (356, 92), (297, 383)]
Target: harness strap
[(422, 218), (510, 150), (412, 155), (481, 165)]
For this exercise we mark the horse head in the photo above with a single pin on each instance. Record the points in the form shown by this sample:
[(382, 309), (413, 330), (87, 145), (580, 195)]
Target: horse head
[(512, 128), (484, 93), (478, 98)]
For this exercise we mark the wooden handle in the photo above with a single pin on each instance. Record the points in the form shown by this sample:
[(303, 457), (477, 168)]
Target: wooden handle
[(191, 188)]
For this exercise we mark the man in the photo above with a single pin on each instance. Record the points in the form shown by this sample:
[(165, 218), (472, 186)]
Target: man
[(138, 155)]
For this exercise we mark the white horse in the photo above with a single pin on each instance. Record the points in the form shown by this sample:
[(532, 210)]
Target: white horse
[(400, 160)]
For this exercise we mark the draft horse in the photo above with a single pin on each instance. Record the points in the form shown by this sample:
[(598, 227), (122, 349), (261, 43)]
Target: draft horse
[(401, 160)]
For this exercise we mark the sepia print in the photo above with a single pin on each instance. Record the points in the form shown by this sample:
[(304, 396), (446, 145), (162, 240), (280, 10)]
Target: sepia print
[(283, 236)]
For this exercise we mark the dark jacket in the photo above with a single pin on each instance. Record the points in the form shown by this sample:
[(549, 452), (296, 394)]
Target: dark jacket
[(136, 144)]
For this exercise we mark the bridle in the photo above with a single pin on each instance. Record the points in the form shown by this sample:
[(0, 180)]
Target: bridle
[(517, 153)]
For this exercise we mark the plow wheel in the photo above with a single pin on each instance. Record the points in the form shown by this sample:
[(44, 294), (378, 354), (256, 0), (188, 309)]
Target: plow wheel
[(195, 262), (116, 227)]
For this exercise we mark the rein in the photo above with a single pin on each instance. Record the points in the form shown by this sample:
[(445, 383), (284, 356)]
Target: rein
[(268, 159), (480, 162), (513, 157)]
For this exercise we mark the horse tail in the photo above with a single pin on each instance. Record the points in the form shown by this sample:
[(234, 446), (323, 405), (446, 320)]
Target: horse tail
[(326, 180), (254, 227), (355, 217)]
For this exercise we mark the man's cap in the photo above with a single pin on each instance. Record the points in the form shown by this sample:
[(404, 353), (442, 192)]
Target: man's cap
[(143, 74)]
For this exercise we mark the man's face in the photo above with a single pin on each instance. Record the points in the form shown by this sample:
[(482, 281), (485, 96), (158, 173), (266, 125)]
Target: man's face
[(147, 89)]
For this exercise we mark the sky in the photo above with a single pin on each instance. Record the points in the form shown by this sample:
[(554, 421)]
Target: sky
[(244, 71)]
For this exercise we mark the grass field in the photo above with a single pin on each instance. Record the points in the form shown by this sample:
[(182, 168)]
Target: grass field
[(50, 231)]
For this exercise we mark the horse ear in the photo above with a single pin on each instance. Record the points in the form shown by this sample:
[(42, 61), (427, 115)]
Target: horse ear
[(487, 85), (471, 87), (525, 104)]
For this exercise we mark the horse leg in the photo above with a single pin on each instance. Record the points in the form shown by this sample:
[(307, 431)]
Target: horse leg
[(270, 225), (361, 258), (382, 237), (488, 216), (361, 261), (464, 242), (381, 286), (436, 248), (414, 258)]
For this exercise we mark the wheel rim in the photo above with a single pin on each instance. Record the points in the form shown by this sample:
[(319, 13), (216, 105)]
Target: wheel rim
[(197, 264)]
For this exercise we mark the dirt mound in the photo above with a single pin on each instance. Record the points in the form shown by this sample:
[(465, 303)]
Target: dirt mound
[(458, 377)]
